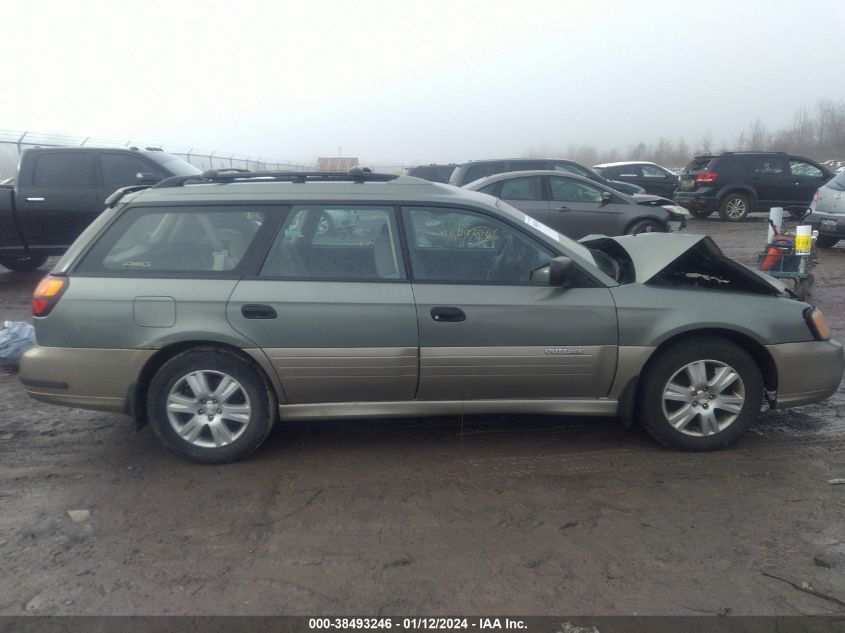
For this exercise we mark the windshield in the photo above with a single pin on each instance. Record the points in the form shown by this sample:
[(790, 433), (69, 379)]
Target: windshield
[(175, 166)]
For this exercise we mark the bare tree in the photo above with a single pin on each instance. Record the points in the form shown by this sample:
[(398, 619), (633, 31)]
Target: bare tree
[(705, 144)]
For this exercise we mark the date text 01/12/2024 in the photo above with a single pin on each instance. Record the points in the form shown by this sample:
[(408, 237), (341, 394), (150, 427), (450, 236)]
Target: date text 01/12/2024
[(409, 624)]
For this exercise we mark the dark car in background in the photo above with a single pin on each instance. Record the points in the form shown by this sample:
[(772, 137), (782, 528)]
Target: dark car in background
[(737, 183), (475, 169), (58, 191), (655, 179), (577, 206), (432, 172)]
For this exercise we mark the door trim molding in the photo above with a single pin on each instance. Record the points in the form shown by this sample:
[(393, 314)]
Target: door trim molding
[(352, 410)]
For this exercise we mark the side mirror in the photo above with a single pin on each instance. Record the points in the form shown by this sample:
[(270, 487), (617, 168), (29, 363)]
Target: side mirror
[(147, 178), (606, 197), (561, 272)]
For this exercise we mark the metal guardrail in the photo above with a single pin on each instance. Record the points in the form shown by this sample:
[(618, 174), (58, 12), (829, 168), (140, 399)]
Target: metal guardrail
[(203, 159)]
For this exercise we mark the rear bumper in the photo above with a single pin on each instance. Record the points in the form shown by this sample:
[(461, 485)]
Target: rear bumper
[(696, 200), (807, 372), (85, 378), (827, 223)]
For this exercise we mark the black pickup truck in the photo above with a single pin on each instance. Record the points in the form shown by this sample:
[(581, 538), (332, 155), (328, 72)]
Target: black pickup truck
[(58, 191)]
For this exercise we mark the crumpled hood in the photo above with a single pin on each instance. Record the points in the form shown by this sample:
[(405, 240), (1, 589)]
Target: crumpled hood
[(653, 254)]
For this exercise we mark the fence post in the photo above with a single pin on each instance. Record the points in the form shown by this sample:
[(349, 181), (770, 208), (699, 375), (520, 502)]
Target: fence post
[(211, 160), (20, 140)]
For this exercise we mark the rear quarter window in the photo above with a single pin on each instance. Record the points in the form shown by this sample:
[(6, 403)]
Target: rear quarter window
[(699, 164), (194, 240)]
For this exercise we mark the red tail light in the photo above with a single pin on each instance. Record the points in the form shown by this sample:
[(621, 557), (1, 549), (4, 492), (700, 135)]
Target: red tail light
[(47, 294), (707, 176)]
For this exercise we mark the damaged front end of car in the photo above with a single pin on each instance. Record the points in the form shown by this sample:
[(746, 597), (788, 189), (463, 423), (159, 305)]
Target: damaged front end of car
[(683, 261)]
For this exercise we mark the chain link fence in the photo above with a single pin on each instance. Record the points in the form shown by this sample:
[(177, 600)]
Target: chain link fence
[(12, 143)]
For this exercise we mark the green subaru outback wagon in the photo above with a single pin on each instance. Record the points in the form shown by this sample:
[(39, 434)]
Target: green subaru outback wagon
[(214, 306)]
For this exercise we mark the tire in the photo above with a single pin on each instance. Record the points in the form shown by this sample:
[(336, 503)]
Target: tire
[(735, 207), (700, 213), (188, 381), (707, 425), (645, 226), (23, 263), (826, 241), (797, 214)]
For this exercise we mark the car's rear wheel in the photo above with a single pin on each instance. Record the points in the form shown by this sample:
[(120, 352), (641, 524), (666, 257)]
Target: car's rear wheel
[(23, 263), (645, 226), (700, 395), (826, 241), (700, 213), (210, 405), (735, 207)]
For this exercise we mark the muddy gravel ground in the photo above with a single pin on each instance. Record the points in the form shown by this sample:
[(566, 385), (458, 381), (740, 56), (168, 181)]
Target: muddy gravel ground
[(503, 514)]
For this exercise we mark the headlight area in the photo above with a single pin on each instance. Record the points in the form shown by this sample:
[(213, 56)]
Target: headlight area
[(677, 210), (815, 321)]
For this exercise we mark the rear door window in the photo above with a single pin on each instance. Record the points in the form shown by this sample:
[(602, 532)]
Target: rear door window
[(65, 169), (522, 189), (195, 240), (653, 171), (337, 242)]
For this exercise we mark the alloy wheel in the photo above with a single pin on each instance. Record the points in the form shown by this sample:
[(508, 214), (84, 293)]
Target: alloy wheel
[(208, 408), (703, 398), (735, 208)]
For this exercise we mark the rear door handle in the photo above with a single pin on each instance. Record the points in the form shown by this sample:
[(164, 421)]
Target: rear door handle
[(449, 315), (36, 199), (563, 207), (258, 311)]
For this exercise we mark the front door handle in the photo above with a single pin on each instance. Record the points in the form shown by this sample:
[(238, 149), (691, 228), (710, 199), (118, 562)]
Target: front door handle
[(562, 207), (36, 199), (258, 311), (449, 315)]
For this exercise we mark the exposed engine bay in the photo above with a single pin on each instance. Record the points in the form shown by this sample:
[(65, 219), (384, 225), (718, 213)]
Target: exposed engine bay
[(677, 260)]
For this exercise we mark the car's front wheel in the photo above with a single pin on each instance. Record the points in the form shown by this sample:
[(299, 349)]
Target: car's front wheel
[(735, 207), (700, 395), (210, 405), (645, 226)]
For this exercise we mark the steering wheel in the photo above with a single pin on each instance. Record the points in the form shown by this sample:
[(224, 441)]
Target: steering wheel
[(501, 257)]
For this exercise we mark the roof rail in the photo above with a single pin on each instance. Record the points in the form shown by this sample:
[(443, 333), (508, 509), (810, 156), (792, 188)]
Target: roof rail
[(356, 174), (114, 198), (752, 151)]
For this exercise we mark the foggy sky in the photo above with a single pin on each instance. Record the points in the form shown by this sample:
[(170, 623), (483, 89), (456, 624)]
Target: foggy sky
[(415, 81)]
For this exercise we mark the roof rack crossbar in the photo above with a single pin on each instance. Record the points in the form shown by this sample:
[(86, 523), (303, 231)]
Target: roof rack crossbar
[(242, 175)]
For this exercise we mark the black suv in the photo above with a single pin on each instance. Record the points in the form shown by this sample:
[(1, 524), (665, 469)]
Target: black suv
[(737, 183), (432, 172), (476, 169)]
